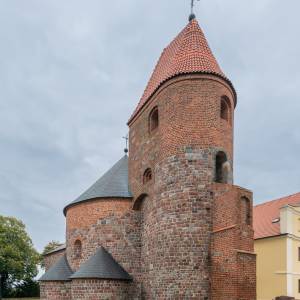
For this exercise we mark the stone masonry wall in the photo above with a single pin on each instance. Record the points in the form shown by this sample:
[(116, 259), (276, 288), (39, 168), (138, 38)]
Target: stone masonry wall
[(176, 233), (94, 289), (55, 290), (52, 258), (177, 203)]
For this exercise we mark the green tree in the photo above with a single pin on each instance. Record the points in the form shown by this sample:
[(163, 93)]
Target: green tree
[(48, 248), (51, 246), (18, 258)]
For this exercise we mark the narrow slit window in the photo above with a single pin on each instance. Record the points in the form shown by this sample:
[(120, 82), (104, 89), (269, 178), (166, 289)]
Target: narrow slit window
[(246, 211), (225, 109), (153, 119), (147, 175), (77, 249), (222, 168)]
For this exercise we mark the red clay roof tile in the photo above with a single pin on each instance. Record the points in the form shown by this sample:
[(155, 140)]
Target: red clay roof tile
[(188, 53), (264, 214)]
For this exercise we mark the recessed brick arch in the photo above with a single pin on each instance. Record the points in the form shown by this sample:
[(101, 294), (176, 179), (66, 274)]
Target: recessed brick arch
[(153, 119), (139, 201), (147, 176), (246, 211), (225, 112), (77, 249)]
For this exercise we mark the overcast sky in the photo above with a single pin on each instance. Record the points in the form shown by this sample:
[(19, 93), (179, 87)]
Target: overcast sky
[(72, 72)]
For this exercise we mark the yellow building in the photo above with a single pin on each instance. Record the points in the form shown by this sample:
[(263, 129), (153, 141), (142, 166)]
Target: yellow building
[(277, 245)]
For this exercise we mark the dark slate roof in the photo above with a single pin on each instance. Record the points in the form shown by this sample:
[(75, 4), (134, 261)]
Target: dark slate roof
[(59, 248), (60, 271), (114, 183), (101, 266)]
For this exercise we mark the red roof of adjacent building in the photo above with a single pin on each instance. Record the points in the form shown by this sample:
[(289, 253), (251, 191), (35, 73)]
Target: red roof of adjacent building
[(188, 53), (265, 213)]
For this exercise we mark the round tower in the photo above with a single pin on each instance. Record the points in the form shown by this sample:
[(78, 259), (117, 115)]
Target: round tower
[(181, 142)]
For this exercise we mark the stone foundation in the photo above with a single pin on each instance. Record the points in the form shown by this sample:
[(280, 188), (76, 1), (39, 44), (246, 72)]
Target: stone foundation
[(96, 289), (55, 290)]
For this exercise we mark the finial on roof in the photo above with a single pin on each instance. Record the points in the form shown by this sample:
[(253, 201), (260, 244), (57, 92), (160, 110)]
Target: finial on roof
[(192, 15), (126, 148)]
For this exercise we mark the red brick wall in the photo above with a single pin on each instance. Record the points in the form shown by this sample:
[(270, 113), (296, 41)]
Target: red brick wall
[(176, 216), (110, 223), (189, 116), (83, 218), (52, 258), (55, 290), (233, 263), (85, 214)]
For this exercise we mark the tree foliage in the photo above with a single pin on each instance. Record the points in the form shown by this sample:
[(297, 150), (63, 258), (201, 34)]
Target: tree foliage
[(48, 248), (18, 258), (51, 246)]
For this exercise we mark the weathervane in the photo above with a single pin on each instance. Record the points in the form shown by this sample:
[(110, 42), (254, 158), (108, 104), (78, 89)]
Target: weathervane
[(126, 139), (192, 15)]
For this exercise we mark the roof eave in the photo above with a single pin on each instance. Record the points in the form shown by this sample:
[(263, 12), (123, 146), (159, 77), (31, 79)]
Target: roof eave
[(102, 278), (54, 251), (270, 236), (55, 280), (93, 199)]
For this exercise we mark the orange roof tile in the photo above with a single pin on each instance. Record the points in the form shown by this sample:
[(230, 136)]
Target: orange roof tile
[(188, 53), (265, 213)]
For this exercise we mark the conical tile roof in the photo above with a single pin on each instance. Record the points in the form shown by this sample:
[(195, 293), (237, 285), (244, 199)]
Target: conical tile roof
[(60, 271), (101, 266), (114, 183), (188, 53)]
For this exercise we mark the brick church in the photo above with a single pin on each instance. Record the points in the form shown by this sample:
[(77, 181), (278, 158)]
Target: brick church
[(166, 221)]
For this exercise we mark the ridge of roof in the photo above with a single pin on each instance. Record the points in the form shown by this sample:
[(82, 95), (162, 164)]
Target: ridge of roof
[(60, 271), (101, 266), (113, 184), (188, 53), (265, 213), (278, 199)]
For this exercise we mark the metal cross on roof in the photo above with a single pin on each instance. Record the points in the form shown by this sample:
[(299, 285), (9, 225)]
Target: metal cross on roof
[(192, 15), (126, 139)]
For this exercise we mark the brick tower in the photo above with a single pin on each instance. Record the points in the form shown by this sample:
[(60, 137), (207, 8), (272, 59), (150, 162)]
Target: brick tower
[(167, 221), (196, 226)]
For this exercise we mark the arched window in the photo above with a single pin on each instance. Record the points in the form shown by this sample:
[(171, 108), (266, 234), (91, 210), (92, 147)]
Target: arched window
[(225, 109), (246, 211), (222, 168), (153, 119), (147, 175), (77, 249)]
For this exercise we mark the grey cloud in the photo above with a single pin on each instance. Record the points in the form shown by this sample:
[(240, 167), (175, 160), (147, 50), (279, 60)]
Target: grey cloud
[(71, 73)]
